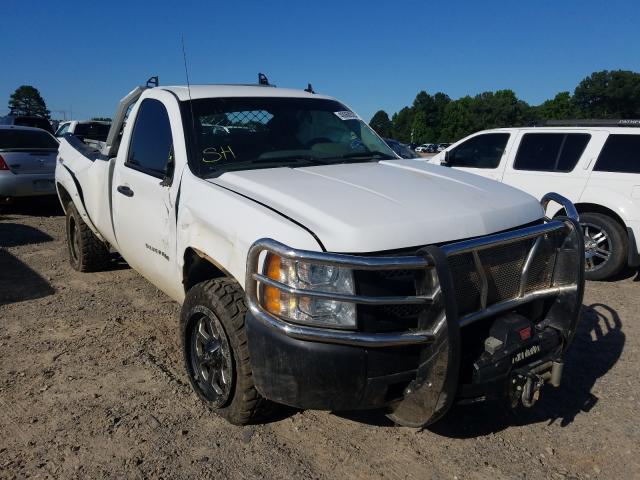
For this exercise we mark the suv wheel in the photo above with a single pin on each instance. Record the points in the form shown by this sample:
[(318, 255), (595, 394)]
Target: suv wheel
[(605, 245), (216, 353)]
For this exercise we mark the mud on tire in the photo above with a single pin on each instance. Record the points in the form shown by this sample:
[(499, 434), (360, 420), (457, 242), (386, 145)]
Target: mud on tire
[(87, 253), (216, 353)]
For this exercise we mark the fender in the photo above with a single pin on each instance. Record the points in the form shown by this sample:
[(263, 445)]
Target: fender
[(221, 226), (66, 179), (622, 204)]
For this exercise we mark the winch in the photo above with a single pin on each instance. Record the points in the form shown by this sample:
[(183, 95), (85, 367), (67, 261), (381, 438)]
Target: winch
[(519, 351)]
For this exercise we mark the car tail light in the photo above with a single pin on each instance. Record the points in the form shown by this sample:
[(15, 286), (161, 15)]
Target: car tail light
[(3, 164)]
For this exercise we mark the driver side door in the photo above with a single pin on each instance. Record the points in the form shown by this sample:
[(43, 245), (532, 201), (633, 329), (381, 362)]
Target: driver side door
[(143, 197)]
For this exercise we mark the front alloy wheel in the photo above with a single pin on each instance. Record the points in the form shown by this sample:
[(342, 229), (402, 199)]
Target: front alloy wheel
[(210, 356), (216, 352)]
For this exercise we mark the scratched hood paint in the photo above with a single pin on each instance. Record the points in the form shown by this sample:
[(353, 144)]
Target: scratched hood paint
[(369, 207)]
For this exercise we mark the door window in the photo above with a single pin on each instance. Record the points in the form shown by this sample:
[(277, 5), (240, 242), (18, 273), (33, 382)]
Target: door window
[(621, 153), (151, 146), (63, 129), (482, 151), (550, 152)]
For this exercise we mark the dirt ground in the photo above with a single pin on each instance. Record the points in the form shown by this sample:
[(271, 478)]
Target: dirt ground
[(92, 386)]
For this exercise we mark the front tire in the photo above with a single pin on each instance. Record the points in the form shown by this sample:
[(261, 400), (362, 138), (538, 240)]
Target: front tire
[(87, 253), (216, 353), (605, 246)]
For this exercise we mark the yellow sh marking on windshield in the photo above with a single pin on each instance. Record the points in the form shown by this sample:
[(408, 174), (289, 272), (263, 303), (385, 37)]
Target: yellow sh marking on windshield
[(217, 155)]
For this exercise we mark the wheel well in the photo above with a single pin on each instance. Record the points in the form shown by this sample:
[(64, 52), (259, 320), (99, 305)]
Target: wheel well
[(199, 267), (65, 198), (595, 208)]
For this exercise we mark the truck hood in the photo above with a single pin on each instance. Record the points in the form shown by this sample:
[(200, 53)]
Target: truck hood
[(371, 207)]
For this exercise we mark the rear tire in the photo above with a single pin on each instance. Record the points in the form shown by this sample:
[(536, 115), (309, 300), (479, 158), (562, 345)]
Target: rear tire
[(216, 353), (606, 246), (87, 253)]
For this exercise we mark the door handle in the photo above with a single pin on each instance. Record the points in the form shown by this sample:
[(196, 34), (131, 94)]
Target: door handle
[(126, 191)]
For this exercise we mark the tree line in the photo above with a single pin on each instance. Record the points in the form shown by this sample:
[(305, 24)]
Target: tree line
[(438, 118)]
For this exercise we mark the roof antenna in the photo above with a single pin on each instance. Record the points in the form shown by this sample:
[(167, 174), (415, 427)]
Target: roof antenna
[(309, 88), (186, 72), (263, 80)]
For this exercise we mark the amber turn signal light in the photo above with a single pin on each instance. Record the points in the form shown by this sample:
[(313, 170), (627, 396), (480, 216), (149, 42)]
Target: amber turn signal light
[(271, 295)]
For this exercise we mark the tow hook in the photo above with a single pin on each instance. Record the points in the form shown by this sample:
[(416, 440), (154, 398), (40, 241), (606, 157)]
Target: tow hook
[(531, 390), (526, 385), (526, 389)]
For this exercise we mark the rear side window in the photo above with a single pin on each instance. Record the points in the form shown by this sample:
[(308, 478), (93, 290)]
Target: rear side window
[(151, 143), (550, 152), (92, 131), (11, 139), (621, 153), (482, 151)]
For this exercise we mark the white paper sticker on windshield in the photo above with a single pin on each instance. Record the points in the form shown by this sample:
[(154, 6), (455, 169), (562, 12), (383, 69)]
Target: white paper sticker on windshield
[(346, 115)]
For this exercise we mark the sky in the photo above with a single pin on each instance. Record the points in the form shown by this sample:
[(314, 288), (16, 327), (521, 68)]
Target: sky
[(85, 56)]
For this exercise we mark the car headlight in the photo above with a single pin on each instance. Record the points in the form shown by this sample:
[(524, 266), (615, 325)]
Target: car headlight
[(309, 276)]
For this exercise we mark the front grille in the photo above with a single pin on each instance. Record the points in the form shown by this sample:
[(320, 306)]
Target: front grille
[(501, 270)]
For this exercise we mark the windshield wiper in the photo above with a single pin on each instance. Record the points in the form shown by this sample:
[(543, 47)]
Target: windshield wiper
[(273, 162)]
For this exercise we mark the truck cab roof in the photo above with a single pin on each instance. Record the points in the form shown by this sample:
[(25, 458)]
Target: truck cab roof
[(215, 91)]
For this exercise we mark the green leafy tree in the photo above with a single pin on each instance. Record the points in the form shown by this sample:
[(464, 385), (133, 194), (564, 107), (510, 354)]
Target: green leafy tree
[(457, 119), (26, 100), (402, 124), (486, 110), (101, 119), (605, 94), (609, 94), (559, 107), (440, 100), (381, 123), (422, 131)]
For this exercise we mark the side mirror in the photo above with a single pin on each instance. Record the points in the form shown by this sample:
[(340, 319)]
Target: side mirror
[(445, 158), (167, 180)]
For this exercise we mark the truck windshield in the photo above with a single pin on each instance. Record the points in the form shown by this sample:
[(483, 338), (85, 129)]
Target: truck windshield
[(230, 134)]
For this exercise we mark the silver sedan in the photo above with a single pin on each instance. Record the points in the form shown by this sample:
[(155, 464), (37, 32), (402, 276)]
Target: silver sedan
[(27, 162)]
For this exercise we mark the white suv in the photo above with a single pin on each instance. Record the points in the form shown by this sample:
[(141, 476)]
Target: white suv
[(596, 166)]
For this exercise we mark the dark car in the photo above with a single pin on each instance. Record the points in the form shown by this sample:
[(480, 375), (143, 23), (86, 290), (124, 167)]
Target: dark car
[(401, 149), (27, 121)]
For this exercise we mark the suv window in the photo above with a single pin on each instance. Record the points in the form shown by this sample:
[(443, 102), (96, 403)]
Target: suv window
[(483, 151), (550, 152), (621, 153), (151, 145)]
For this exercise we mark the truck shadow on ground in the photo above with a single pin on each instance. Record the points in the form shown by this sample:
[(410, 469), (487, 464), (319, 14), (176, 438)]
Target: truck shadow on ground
[(16, 234), (596, 348), (19, 282)]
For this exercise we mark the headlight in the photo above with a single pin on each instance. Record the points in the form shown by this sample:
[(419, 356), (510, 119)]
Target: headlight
[(309, 276)]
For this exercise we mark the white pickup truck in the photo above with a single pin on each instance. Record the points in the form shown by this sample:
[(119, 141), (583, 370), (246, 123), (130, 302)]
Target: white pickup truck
[(317, 269)]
